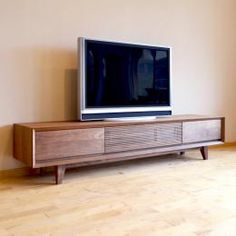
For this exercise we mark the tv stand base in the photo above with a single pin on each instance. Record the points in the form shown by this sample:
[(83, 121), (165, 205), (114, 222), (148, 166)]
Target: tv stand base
[(61, 169), (64, 145)]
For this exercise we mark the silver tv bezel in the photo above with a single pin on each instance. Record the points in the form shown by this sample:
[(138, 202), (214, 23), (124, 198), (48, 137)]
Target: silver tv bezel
[(81, 84)]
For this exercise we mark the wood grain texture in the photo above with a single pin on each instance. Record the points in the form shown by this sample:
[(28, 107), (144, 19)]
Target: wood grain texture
[(223, 129), (121, 156), (55, 125), (59, 173), (134, 137), (23, 144), (66, 143), (198, 131), (58, 144), (204, 152), (168, 195)]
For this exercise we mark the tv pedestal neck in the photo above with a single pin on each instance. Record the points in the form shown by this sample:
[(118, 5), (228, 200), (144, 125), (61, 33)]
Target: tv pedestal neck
[(70, 144)]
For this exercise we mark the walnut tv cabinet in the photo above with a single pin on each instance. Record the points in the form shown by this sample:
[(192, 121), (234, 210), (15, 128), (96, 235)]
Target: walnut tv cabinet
[(68, 144)]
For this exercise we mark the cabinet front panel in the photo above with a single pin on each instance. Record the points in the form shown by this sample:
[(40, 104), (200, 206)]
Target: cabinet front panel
[(67, 143), (199, 131), (133, 137)]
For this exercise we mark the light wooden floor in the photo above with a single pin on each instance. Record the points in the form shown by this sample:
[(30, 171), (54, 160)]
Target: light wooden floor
[(170, 195)]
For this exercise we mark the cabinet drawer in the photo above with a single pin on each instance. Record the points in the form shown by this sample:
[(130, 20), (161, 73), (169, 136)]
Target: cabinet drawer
[(67, 143), (200, 131), (127, 138)]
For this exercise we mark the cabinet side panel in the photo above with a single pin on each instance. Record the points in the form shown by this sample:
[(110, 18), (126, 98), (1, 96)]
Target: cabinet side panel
[(223, 129), (22, 148)]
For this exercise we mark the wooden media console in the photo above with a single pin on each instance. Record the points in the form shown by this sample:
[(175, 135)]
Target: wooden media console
[(69, 144)]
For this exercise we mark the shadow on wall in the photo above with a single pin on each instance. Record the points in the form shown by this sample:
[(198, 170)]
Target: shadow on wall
[(70, 94), (44, 84), (45, 89), (70, 113)]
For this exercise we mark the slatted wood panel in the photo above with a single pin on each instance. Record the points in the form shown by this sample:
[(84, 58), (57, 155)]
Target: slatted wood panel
[(197, 131), (133, 137), (66, 143)]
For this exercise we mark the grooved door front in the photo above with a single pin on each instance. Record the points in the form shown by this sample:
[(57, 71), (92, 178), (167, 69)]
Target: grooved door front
[(67, 143), (133, 137)]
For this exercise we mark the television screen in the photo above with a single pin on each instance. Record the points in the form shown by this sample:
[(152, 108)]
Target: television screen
[(126, 75)]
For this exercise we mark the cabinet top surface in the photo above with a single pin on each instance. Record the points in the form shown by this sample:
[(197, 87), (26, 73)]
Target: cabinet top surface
[(44, 126)]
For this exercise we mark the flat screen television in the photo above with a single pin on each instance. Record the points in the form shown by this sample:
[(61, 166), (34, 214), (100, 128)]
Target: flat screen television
[(119, 79)]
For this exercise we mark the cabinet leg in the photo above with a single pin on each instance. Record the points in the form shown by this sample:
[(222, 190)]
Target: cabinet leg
[(41, 171), (182, 153), (59, 174), (204, 152), (33, 171)]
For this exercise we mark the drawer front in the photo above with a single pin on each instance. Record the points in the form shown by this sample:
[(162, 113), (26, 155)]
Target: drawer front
[(127, 138), (200, 131), (67, 143)]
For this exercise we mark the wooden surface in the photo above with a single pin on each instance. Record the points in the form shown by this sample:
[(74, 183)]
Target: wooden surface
[(198, 131), (60, 172), (134, 137), (88, 143), (204, 152), (66, 143), (122, 156), (23, 144), (170, 195), (55, 125)]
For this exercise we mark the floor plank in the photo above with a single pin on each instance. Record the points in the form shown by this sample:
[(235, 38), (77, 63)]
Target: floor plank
[(168, 195)]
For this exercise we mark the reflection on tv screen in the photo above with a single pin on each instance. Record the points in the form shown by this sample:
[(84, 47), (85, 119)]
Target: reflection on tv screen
[(121, 75)]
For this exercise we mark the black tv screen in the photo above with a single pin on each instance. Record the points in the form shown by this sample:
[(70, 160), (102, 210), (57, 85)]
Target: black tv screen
[(126, 75)]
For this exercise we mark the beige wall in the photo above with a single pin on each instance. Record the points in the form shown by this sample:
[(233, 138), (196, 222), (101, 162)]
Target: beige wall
[(38, 54)]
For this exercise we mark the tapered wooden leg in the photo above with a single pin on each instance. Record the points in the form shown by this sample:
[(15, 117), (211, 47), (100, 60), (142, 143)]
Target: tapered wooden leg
[(59, 174), (33, 171), (182, 153), (204, 152), (41, 171)]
